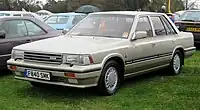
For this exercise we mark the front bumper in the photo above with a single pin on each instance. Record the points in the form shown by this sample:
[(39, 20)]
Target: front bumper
[(84, 76), (189, 51)]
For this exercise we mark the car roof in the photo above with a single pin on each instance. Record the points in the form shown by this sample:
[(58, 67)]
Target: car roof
[(15, 17), (192, 10), (127, 13), (69, 14), (15, 12)]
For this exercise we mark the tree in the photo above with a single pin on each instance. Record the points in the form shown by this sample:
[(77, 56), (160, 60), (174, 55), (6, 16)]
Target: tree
[(56, 7), (176, 5)]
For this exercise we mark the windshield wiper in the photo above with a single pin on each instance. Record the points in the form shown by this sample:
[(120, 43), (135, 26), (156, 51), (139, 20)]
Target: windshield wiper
[(97, 35)]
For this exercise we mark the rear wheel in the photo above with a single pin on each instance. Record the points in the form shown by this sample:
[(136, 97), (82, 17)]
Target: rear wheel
[(176, 63), (109, 81)]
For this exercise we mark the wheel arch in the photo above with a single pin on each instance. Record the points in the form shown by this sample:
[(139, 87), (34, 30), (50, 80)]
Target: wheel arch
[(116, 57), (181, 49)]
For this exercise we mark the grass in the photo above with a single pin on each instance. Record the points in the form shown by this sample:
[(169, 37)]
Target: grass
[(148, 92)]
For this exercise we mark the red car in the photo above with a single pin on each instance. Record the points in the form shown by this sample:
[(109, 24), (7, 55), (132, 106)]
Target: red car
[(19, 30)]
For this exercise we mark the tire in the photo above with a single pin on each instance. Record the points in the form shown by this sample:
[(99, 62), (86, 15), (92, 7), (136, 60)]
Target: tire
[(176, 63), (110, 76)]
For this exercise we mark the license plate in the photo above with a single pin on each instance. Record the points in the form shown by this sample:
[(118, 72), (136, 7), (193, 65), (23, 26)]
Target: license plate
[(37, 75), (193, 29)]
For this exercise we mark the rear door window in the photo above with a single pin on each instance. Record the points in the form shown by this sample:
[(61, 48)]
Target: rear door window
[(33, 29), (168, 26), (158, 26), (57, 20)]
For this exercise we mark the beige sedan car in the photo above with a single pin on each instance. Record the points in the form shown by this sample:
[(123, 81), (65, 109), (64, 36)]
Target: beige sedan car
[(104, 49)]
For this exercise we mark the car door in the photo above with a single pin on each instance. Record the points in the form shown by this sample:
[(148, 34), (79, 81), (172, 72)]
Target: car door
[(35, 32), (16, 34), (142, 51), (163, 40)]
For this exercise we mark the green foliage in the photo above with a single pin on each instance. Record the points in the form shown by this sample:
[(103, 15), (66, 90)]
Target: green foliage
[(176, 5), (153, 91), (107, 5)]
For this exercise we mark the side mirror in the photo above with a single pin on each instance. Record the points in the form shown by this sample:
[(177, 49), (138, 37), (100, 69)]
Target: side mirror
[(65, 31), (2, 35), (140, 34)]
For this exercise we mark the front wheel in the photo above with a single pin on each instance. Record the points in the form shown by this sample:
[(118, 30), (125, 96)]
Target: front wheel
[(176, 63), (109, 81)]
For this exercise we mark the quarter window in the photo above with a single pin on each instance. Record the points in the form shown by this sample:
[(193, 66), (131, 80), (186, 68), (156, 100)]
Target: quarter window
[(33, 29), (144, 25), (158, 26), (168, 26)]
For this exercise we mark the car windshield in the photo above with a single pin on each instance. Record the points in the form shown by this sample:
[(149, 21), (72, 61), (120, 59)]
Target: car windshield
[(190, 16), (57, 20), (104, 25)]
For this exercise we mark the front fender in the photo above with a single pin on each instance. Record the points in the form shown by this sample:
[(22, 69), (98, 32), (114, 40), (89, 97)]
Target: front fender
[(108, 57)]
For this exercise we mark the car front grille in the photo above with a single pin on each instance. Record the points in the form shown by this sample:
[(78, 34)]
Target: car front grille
[(43, 57)]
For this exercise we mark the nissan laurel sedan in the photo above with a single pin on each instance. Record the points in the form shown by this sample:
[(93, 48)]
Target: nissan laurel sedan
[(104, 49)]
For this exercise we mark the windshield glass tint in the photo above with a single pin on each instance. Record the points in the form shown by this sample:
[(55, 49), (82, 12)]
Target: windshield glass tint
[(191, 15), (104, 26), (57, 20)]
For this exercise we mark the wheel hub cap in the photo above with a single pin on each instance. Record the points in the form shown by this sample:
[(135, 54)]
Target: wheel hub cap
[(111, 78), (176, 63)]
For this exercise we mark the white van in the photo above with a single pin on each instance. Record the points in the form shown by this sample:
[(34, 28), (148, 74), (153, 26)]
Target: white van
[(20, 13)]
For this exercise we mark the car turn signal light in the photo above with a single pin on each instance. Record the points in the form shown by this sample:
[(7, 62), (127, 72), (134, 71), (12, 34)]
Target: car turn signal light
[(71, 75), (13, 68)]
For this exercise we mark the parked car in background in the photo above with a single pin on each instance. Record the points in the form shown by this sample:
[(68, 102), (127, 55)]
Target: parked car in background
[(178, 14), (171, 16), (64, 21), (190, 22), (20, 14), (19, 30), (102, 50), (44, 14)]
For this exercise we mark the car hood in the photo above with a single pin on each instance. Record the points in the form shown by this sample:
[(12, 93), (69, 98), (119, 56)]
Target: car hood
[(74, 45)]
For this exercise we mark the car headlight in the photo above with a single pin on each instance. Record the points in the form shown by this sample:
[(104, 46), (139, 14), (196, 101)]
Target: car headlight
[(17, 54), (77, 59)]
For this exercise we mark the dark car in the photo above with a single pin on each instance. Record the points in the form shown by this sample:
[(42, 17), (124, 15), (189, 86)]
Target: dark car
[(19, 30), (189, 21)]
